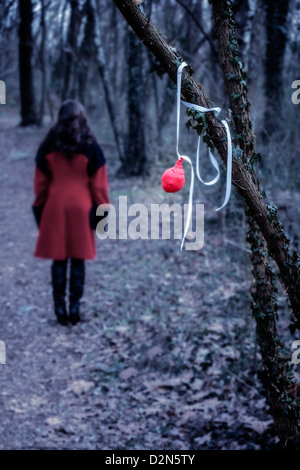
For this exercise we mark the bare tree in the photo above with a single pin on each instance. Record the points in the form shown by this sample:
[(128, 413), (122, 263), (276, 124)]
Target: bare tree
[(105, 78), (134, 163), (87, 50), (276, 27), (71, 52), (28, 110), (43, 62), (245, 11)]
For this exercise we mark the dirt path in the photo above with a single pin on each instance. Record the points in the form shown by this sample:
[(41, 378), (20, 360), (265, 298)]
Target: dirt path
[(164, 356)]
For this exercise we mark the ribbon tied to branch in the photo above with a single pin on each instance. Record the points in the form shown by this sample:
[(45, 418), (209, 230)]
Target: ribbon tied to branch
[(173, 179)]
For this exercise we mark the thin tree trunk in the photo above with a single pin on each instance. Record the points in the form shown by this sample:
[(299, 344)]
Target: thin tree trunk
[(265, 215), (28, 110), (245, 15), (43, 62), (157, 109), (50, 106), (135, 162), (104, 75), (164, 107), (70, 51), (86, 50), (276, 27), (115, 41)]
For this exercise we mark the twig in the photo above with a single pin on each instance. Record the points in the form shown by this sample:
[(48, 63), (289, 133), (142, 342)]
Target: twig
[(197, 22), (241, 380), (150, 12), (229, 242)]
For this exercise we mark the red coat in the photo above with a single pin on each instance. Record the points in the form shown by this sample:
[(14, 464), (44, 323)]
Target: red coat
[(65, 191)]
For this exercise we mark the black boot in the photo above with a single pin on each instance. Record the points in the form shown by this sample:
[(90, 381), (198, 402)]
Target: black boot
[(76, 289), (59, 280)]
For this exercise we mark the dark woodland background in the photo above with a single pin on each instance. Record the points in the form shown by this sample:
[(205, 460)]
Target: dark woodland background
[(172, 353)]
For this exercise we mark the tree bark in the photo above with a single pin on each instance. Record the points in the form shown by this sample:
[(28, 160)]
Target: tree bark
[(264, 215), (28, 110)]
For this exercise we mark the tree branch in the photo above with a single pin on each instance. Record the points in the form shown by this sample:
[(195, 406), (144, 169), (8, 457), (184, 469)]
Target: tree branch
[(197, 22)]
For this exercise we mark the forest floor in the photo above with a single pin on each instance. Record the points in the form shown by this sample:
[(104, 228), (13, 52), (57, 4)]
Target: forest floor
[(165, 356)]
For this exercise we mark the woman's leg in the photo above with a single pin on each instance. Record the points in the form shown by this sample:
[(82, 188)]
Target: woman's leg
[(76, 288), (59, 280)]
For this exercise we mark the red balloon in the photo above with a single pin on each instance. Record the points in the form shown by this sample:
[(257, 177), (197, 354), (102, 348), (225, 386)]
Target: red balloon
[(173, 179)]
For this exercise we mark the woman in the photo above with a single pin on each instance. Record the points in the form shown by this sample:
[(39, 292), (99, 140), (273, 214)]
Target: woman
[(70, 182)]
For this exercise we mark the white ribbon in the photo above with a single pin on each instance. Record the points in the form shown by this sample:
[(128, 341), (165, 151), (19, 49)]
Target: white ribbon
[(212, 158), (213, 161)]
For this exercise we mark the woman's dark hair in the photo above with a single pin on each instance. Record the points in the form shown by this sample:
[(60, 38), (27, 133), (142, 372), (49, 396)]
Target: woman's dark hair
[(71, 133)]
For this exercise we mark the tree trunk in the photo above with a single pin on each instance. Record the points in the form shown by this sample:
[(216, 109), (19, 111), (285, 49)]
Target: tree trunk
[(86, 50), (70, 52), (245, 15), (234, 77), (28, 111), (116, 46), (104, 75), (43, 62), (265, 215), (58, 70), (135, 153), (277, 375), (276, 27)]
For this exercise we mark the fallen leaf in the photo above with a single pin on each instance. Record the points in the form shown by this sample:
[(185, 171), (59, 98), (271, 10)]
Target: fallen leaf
[(53, 421), (128, 373), (257, 425), (80, 386), (153, 352)]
